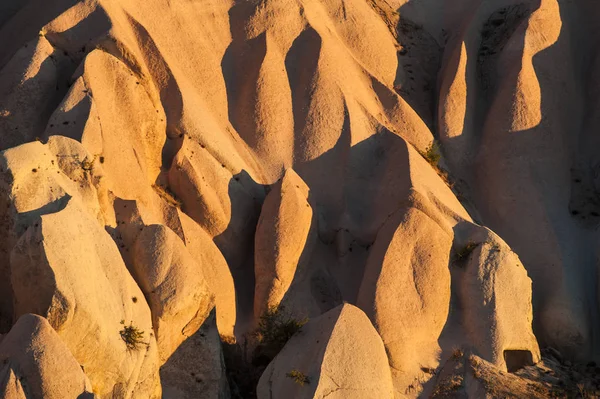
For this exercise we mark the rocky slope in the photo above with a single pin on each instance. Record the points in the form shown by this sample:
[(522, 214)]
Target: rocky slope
[(299, 198)]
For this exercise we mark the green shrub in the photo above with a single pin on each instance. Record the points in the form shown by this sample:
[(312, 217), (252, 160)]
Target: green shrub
[(299, 377), (275, 328), (132, 336), (432, 154), (167, 195), (457, 353), (463, 253)]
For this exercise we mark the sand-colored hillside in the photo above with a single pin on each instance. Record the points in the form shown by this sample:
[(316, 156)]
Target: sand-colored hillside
[(298, 198)]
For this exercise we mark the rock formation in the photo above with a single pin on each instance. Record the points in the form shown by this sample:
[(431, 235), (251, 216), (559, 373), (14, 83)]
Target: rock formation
[(303, 198)]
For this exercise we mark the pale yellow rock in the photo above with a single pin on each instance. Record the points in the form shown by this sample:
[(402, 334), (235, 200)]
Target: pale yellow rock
[(406, 291), (337, 355), (38, 179), (96, 120), (505, 125), (284, 241), (494, 291), (181, 304), (198, 119), (196, 369), (216, 272), (174, 286), (41, 362), (226, 206), (10, 386), (67, 268), (36, 75)]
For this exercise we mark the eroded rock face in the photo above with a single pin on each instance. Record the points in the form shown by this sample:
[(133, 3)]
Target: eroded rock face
[(174, 285), (495, 301), (66, 268), (40, 179), (179, 168), (338, 354), (196, 369), (37, 364), (216, 273), (284, 239), (406, 290)]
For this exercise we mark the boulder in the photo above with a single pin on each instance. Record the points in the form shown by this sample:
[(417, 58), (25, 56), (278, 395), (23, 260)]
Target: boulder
[(183, 315), (406, 291), (336, 355), (285, 237), (38, 179), (216, 272), (35, 360), (494, 293), (174, 286), (66, 268)]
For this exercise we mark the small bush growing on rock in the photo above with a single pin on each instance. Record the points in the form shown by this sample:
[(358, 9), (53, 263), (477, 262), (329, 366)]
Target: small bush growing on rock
[(275, 328), (457, 353), (246, 364), (299, 377), (463, 253), (166, 194), (432, 154), (88, 164), (132, 336), (493, 246)]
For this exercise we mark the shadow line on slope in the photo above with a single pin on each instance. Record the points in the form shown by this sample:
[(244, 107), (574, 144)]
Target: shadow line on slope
[(525, 175)]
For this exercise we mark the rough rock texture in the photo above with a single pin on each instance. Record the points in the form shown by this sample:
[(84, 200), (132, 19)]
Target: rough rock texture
[(216, 273), (284, 241), (173, 283), (66, 268), (406, 289), (181, 168), (336, 355), (181, 303), (493, 287), (469, 376), (36, 361), (196, 369), (39, 179)]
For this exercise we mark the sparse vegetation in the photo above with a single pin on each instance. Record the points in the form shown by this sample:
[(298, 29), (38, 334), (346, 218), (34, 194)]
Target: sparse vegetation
[(132, 336), (299, 377), (245, 361), (457, 353), (461, 254), (87, 163), (493, 246), (432, 154), (447, 387), (275, 328), (166, 194)]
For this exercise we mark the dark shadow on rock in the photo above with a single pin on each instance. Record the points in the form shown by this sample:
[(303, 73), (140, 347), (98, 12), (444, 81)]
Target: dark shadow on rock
[(518, 180), (301, 63), (19, 127), (236, 243), (241, 65), (197, 368), (27, 22), (70, 123), (19, 226), (313, 351)]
